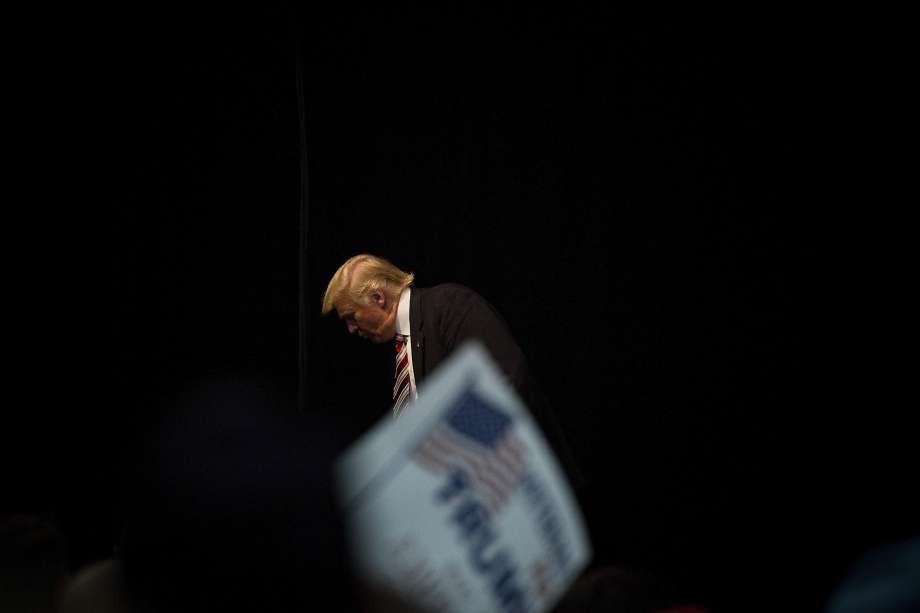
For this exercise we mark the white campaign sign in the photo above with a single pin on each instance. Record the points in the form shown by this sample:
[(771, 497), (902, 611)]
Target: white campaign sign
[(459, 504)]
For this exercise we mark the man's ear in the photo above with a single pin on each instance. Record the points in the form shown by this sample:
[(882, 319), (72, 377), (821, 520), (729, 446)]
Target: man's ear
[(379, 298)]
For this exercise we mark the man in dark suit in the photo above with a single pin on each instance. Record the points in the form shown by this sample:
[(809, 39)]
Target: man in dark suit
[(377, 301)]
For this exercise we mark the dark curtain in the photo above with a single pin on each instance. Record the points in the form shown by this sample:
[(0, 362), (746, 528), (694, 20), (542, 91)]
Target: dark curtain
[(634, 193)]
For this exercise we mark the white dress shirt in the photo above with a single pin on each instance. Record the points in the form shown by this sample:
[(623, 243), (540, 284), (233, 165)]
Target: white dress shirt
[(402, 329)]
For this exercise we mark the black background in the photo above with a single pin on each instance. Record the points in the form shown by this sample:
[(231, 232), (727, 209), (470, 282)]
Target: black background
[(641, 196)]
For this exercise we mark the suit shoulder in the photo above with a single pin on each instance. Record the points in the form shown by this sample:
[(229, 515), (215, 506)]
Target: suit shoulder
[(454, 294), (451, 289)]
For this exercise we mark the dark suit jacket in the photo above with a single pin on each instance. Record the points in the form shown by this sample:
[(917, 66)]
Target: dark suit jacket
[(442, 317)]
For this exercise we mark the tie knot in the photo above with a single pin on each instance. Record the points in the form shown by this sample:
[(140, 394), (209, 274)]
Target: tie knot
[(400, 341)]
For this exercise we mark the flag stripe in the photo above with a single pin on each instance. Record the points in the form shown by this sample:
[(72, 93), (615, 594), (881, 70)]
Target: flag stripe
[(433, 456), (507, 472), (479, 471)]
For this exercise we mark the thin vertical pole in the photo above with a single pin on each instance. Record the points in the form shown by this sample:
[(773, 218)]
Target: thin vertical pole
[(303, 342)]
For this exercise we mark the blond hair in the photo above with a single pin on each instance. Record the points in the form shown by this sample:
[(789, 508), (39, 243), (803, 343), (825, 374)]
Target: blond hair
[(361, 275)]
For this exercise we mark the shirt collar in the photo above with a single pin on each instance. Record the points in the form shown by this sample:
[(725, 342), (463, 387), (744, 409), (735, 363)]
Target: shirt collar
[(402, 313)]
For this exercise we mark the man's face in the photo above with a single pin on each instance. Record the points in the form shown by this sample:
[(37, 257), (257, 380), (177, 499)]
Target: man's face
[(373, 320)]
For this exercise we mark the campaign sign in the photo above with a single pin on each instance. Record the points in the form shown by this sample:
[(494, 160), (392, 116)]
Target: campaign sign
[(458, 504)]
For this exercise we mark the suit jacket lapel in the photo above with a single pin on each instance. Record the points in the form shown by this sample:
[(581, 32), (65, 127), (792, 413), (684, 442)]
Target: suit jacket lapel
[(417, 332)]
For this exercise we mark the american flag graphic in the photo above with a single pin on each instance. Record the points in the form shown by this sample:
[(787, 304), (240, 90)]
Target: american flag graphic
[(478, 439)]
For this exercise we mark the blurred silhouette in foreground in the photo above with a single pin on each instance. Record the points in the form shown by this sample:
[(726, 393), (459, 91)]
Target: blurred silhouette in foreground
[(231, 508), (619, 590), (33, 563), (886, 580), (101, 588)]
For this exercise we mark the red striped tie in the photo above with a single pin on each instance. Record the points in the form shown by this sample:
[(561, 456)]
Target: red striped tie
[(402, 389)]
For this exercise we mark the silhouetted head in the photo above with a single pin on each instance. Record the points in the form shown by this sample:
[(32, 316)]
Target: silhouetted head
[(234, 508)]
